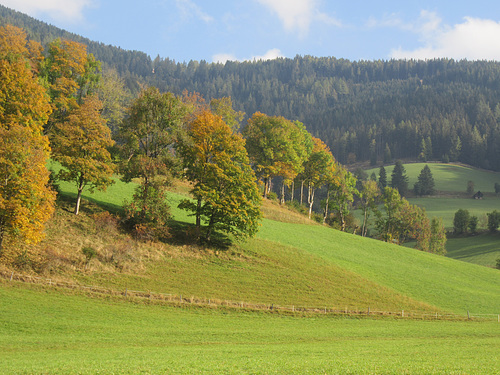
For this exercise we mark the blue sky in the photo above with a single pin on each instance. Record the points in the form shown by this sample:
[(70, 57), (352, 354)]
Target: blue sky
[(213, 30)]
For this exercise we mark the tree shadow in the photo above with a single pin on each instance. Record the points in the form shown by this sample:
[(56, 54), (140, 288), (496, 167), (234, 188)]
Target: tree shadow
[(182, 233)]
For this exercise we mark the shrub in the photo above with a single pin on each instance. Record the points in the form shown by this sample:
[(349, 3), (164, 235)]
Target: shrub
[(461, 221), (493, 220), (89, 253), (473, 221)]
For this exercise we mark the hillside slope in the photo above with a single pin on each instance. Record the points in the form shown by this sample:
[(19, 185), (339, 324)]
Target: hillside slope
[(287, 264)]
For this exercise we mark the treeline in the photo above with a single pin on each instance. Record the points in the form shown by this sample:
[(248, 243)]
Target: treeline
[(363, 110)]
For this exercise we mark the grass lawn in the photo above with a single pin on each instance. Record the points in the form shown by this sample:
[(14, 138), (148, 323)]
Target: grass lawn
[(46, 332)]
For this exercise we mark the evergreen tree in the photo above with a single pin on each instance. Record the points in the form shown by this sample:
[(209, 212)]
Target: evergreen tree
[(425, 183), (382, 178), (399, 180)]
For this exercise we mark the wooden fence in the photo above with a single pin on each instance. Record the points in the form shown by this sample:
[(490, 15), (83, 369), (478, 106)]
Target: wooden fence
[(179, 299)]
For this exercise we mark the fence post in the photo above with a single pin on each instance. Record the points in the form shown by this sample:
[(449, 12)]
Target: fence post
[(403, 314), (11, 275), (368, 310), (468, 315), (126, 289)]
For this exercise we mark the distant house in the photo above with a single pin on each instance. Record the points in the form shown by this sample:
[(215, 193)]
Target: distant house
[(478, 195)]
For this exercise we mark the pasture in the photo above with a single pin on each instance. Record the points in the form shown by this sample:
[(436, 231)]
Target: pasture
[(48, 332)]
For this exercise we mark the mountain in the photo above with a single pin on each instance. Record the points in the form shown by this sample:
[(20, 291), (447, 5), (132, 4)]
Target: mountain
[(380, 111)]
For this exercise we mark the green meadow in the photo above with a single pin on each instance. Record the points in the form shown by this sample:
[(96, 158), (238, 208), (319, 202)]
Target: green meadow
[(48, 332), (449, 177), (292, 261)]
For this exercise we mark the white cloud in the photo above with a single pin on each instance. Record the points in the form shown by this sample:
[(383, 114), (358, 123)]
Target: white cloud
[(269, 55), (62, 10), (189, 9), (223, 57), (297, 15), (474, 39)]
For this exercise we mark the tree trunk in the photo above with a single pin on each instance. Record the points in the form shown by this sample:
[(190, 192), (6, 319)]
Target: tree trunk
[(282, 200), (198, 219), (310, 199), (210, 228), (327, 203), (302, 193), (293, 188), (365, 218), (2, 232), (79, 195)]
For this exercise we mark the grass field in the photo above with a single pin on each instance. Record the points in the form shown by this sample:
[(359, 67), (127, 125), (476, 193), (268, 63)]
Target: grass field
[(483, 249), (44, 331), (47, 332), (449, 177)]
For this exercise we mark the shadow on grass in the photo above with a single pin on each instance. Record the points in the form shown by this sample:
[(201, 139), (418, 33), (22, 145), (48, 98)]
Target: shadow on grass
[(70, 199), (183, 233)]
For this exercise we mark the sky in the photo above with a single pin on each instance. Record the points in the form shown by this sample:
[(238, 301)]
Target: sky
[(239, 30)]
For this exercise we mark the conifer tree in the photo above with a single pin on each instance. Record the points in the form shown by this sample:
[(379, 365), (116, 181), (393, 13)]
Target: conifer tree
[(425, 183), (399, 180)]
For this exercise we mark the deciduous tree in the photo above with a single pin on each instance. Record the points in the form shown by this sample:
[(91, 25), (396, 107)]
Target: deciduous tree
[(80, 144), (368, 202), (225, 191), (26, 201)]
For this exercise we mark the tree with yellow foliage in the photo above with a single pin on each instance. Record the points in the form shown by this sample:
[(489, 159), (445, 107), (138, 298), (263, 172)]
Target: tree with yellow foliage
[(81, 145), (26, 201), (225, 192)]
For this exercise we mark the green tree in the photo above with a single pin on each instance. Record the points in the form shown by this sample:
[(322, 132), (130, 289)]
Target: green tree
[(461, 221), (149, 133), (318, 169), (437, 244), (276, 147), (224, 107), (472, 225), (493, 221), (399, 180), (80, 144), (470, 187), (425, 183), (368, 202), (382, 178), (224, 189), (342, 194)]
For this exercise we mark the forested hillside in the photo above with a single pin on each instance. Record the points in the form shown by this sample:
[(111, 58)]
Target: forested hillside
[(366, 110)]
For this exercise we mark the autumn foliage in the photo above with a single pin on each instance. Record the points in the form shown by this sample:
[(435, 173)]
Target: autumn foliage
[(26, 201)]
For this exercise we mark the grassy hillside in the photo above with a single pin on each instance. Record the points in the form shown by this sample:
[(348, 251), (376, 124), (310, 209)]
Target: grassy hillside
[(48, 332), (292, 261), (449, 177), (483, 249), (299, 264)]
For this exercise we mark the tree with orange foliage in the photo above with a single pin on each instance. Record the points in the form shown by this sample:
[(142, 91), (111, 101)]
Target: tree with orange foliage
[(26, 201), (72, 74), (81, 145), (225, 191)]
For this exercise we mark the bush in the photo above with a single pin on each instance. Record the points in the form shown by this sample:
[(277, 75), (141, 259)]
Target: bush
[(461, 221), (89, 253), (473, 222), (493, 220), (148, 214)]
